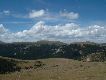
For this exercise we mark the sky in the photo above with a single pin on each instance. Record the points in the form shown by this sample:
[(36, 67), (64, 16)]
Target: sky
[(57, 20)]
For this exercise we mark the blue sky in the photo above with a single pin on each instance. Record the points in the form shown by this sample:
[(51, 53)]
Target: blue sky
[(20, 15)]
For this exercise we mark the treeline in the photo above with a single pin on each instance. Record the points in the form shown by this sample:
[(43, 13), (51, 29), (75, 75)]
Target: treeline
[(52, 49), (8, 65)]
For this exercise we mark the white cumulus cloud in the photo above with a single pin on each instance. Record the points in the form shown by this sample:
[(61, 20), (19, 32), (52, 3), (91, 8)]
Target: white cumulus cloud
[(34, 13), (69, 15), (2, 29), (68, 32)]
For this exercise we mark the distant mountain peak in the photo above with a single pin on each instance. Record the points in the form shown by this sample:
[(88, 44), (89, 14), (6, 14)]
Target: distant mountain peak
[(84, 42), (50, 42)]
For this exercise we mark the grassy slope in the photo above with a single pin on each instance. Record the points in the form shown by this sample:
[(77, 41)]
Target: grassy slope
[(59, 69)]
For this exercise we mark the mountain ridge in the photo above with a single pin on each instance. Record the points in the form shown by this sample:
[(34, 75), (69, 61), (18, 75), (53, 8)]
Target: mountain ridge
[(52, 49)]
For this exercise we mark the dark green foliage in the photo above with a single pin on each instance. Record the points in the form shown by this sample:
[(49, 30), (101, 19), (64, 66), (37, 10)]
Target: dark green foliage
[(8, 65), (50, 49), (98, 57)]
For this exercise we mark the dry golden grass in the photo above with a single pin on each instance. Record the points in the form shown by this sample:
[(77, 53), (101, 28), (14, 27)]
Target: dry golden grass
[(59, 69)]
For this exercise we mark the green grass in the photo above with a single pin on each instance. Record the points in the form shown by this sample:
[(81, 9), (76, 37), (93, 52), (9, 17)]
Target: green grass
[(58, 69)]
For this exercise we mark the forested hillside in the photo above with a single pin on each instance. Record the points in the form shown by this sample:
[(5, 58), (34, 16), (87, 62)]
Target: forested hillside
[(54, 49)]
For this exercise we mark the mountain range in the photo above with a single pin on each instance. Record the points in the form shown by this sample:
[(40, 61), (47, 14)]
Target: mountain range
[(54, 49)]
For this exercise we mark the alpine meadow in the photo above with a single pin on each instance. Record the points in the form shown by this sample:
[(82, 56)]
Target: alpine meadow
[(52, 39)]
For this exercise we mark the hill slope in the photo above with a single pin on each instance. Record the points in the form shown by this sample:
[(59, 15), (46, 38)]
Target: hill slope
[(58, 69), (52, 49)]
